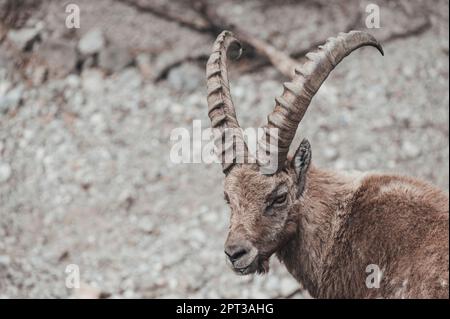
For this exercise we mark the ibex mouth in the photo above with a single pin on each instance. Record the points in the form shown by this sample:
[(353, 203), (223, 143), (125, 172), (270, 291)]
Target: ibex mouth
[(243, 271), (250, 269), (257, 265)]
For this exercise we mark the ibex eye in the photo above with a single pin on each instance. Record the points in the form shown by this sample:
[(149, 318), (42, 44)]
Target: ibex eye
[(280, 199)]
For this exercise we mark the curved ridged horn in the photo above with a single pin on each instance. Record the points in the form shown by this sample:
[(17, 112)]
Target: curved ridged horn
[(291, 106), (220, 105)]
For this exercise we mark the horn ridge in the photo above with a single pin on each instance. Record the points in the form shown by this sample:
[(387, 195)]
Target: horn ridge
[(221, 109)]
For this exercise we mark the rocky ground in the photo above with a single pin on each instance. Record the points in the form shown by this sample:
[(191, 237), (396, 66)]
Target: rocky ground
[(85, 123)]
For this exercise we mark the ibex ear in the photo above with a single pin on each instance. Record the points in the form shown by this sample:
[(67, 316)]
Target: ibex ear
[(300, 163)]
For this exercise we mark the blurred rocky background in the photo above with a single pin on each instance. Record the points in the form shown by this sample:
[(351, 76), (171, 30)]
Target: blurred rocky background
[(86, 116)]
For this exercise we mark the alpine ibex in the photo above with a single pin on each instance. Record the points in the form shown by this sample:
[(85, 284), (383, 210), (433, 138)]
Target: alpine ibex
[(327, 227)]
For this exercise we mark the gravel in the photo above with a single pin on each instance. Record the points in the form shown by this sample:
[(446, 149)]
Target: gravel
[(186, 78), (114, 58), (92, 42), (11, 99), (59, 57), (4, 260), (24, 38), (5, 172)]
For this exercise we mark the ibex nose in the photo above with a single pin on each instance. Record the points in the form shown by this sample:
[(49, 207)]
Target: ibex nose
[(235, 252)]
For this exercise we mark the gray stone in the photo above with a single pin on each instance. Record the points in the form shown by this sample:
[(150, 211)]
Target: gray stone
[(330, 153), (143, 63), (147, 226), (5, 172), (59, 56), (128, 79), (24, 38), (92, 42), (89, 62), (5, 104), (11, 99), (39, 75), (5, 260), (114, 58), (410, 150), (73, 81), (92, 81)]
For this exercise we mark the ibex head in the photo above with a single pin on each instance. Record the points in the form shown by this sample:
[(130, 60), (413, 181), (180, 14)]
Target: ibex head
[(263, 206)]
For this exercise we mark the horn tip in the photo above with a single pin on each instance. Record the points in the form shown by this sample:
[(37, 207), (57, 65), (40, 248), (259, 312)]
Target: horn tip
[(380, 48), (376, 44), (371, 39), (234, 46)]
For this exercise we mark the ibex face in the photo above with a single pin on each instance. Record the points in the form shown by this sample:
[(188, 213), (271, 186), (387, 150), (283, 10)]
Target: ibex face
[(263, 211), (260, 207), (264, 207)]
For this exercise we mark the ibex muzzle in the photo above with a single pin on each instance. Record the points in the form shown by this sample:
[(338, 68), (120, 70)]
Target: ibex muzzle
[(241, 254)]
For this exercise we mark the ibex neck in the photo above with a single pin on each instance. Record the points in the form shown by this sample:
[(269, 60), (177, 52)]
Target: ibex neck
[(321, 211)]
